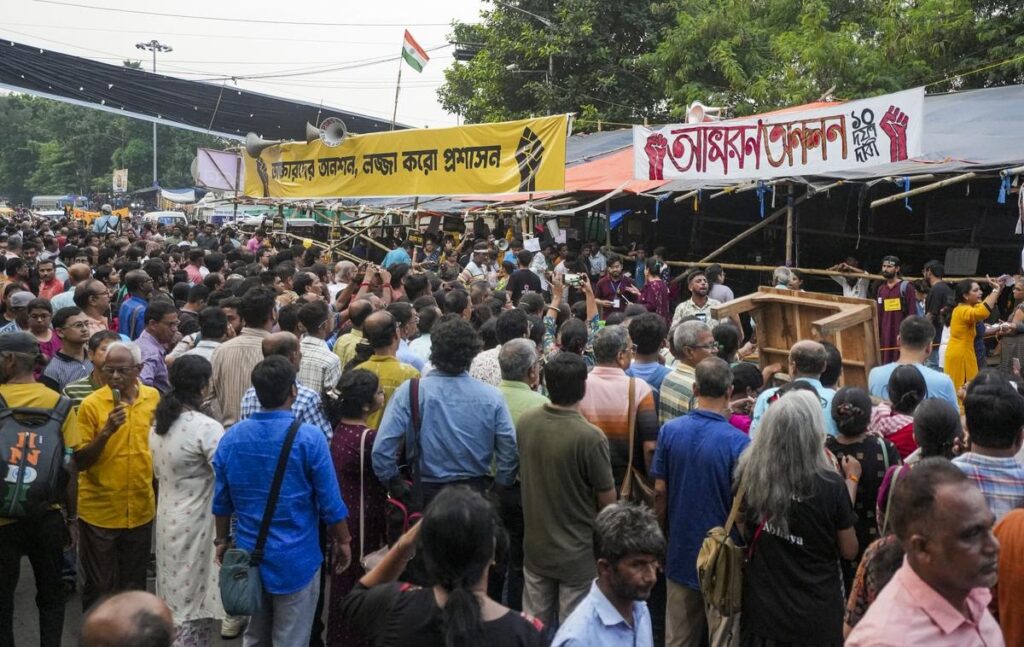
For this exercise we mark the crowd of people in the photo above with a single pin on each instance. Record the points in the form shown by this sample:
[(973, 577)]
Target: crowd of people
[(463, 444)]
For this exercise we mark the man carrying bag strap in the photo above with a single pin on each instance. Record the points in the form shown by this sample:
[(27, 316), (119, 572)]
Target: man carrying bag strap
[(241, 589), (272, 573), (634, 486)]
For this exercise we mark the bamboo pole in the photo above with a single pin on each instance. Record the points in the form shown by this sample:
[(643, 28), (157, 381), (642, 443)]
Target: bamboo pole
[(804, 231), (685, 196), (923, 189), (789, 224), (1016, 170), (364, 237), (778, 213), (809, 271)]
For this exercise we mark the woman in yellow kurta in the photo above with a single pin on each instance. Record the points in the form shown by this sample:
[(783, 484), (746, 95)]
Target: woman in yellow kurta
[(961, 361)]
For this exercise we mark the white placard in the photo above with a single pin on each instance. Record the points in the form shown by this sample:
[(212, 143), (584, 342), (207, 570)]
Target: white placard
[(857, 134)]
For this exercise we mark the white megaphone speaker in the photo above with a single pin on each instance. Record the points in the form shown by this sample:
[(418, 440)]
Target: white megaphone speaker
[(254, 144), (698, 113), (502, 244), (332, 132)]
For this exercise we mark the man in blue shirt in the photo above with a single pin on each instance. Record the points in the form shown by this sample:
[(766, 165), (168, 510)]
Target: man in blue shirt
[(628, 547), (916, 335), (693, 467), (648, 334), (807, 360), (465, 425), (244, 465), (398, 255), (131, 316)]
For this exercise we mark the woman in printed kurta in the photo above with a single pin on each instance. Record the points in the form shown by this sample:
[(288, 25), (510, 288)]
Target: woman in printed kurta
[(182, 442), (351, 447), (961, 360), (655, 295)]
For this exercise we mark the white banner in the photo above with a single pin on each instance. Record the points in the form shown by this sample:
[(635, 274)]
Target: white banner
[(121, 180), (856, 134)]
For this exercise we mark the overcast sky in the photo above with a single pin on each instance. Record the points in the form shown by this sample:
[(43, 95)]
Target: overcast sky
[(339, 33)]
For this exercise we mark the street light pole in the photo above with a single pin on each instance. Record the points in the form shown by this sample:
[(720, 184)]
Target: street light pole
[(154, 46), (551, 57)]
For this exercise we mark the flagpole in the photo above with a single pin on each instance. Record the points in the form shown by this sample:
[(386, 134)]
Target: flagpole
[(398, 86)]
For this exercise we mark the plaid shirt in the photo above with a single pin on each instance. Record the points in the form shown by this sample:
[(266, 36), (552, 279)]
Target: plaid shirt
[(307, 408), (319, 367), (676, 395), (1001, 480)]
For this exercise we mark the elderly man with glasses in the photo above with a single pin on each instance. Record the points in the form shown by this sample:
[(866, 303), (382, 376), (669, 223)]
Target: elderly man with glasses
[(160, 333), (691, 342), (116, 502), (806, 364)]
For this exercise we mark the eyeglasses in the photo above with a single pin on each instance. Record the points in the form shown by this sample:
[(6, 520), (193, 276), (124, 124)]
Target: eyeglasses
[(171, 324), (81, 325), (123, 370), (41, 316), (713, 346)]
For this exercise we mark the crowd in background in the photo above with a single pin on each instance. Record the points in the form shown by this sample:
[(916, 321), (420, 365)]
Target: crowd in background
[(493, 445)]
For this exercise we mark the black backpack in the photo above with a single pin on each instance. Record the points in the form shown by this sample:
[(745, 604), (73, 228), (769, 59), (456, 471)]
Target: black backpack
[(32, 474)]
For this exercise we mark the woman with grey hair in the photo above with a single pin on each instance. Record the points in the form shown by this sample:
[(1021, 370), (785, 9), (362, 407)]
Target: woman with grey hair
[(781, 277), (798, 521)]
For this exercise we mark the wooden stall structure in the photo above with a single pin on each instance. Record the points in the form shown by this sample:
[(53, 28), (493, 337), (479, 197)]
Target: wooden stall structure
[(783, 317)]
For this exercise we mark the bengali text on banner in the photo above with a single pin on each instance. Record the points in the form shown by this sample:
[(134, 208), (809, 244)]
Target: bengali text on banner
[(507, 157), (847, 136)]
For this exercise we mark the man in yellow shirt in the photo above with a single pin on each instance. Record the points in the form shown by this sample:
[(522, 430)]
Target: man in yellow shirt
[(40, 537), (116, 503), (345, 346), (381, 331)]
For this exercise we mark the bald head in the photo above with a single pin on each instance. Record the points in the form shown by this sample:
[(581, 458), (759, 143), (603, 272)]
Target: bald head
[(359, 311), (284, 344), (381, 331), (807, 359), (78, 273), (344, 270), (129, 619)]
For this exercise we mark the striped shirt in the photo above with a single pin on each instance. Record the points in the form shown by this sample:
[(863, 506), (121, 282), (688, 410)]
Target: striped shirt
[(320, 367), (606, 406), (81, 389), (1001, 480), (232, 371), (63, 370), (307, 408), (676, 395)]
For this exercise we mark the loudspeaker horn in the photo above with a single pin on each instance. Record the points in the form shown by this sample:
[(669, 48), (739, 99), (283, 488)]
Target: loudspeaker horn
[(254, 144)]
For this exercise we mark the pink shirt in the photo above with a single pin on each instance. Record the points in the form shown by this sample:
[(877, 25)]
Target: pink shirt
[(909, 612)]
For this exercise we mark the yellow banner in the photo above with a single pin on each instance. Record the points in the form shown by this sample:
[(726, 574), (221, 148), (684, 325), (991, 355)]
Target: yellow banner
[(508, 157), (89, 216)]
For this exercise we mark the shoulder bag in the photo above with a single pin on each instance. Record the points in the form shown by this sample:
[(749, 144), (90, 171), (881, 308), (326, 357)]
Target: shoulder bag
[(720, 563), (241, 589), (634, 487)]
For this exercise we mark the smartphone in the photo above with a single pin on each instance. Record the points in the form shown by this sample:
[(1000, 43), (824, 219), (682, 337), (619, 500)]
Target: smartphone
[(117, 396)]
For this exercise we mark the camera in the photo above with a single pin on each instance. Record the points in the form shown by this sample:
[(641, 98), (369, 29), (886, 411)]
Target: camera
[(574, 280)]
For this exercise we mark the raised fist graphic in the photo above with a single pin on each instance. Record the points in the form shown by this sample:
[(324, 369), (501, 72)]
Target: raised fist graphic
[(894, 124), (656, 148)]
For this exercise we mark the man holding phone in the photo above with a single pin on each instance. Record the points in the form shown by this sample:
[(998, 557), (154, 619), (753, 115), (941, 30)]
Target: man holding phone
[(116, 502)]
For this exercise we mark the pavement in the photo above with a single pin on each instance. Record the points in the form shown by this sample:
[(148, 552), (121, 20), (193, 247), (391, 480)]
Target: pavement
[(26, 617)]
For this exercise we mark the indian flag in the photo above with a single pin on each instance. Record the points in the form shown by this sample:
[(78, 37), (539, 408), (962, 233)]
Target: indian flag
[(413, 53)]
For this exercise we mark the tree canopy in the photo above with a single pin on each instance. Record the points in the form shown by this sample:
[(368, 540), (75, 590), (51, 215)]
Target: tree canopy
[(47, 147), (630, 61)]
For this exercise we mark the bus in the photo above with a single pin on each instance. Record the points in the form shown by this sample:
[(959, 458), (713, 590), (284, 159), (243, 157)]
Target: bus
[(56, 206)]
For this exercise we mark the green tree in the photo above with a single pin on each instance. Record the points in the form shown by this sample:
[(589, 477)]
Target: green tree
[(588, 60), (753, 56), (51, 147)]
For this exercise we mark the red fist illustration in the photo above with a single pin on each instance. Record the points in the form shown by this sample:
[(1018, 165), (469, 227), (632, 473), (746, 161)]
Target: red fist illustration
[(894, 124), (656, 148)]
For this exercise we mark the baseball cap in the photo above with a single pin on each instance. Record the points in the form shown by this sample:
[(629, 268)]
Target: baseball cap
[(21, 299), (19, 342)]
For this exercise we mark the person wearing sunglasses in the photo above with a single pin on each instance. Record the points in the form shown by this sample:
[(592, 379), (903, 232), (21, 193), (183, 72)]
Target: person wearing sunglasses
[(807, 361)]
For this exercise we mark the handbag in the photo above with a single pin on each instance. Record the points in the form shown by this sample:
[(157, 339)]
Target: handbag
[(634, 486), (241, 589), (367, 561), (405, 507), (720, 563)]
